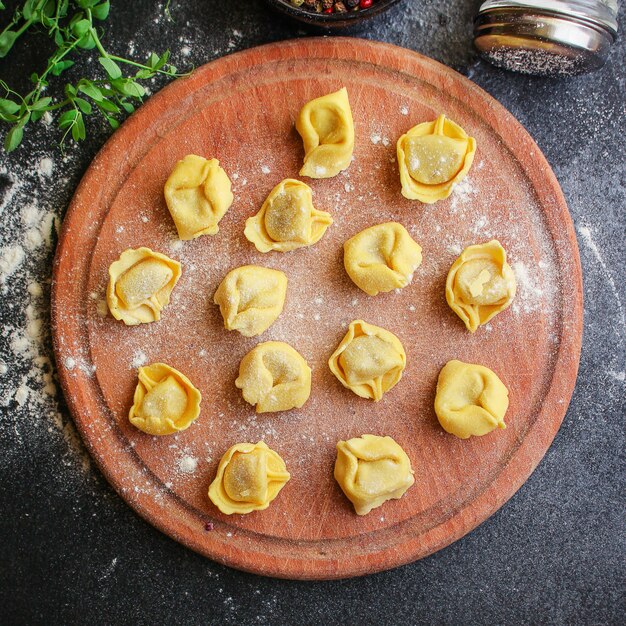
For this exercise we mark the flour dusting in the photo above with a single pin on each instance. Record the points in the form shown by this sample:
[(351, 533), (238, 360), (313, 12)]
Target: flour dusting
[(28, 232)]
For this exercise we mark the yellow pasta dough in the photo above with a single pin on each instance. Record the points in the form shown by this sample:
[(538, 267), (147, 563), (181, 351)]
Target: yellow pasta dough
[(165, 401), (140, 284), (249, 477), (198, 195), (433, 157), (287, 220), (251, 298), (480, 284), (371, 470), (470, 400), (327, 130), (381, 258), (274, 377), (369, 360)]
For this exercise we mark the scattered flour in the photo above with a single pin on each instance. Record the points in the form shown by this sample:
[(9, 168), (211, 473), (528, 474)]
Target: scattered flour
[(530, 293), (21, 394), (11, 257), (176, 245), (587, 237), (28, 231), (377, 138), (188, 464), (462, 195), (45, 166), (102, 308), (139, 359)]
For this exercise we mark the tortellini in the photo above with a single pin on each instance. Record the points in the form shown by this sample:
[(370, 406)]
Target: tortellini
[(274, 377), (327, 130), (287, 220), (251, 298), (433, 157), (371, 470), (165, 401), (369, 360), (480, 284), (198, 195), (470, 400), (249, 477), (140, 284), (381, 258)]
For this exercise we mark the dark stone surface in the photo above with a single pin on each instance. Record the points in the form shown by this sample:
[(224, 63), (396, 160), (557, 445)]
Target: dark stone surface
[(72, 552)]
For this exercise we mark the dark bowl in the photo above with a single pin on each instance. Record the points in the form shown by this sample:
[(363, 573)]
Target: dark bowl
[(331, 20)]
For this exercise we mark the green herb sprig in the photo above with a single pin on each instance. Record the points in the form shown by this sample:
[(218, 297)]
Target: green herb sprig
[(72, 25)]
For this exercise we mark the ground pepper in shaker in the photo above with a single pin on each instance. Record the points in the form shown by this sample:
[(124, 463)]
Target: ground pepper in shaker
[(546, 37)]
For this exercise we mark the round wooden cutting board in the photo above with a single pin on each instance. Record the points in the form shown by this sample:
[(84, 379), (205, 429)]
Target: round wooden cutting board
[(241, 109)]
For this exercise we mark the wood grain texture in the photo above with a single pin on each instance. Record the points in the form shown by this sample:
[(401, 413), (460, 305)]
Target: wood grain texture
[(241, 109)]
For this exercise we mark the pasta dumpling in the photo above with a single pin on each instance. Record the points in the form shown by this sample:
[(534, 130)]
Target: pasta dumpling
[(371, 470), (470, 400), (274, 377), (381, 258), (198, 195), (251, 298), (140, 284), (327, 130), (165, 401), (287, 220), (369, 360), (249, 477), (480, 284), (433, 157)]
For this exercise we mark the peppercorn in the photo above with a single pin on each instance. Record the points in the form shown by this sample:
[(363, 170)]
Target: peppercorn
[(332, 6)]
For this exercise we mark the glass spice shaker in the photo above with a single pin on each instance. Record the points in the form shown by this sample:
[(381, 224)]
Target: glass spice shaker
[(546, 37)]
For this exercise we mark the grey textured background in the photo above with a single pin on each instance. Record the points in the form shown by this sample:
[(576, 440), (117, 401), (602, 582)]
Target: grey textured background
[(72, 552)]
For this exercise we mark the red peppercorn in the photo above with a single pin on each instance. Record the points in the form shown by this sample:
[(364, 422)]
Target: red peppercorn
[(328, 10), (366, 4)]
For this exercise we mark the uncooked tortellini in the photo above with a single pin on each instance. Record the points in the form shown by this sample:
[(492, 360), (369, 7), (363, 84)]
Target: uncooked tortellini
[(480, 284), (371, 470), (287, 220), (165, 400), (470, 400), (432, 158), (274, 377), (327, 130), (249, 477), (381, 258), (198, 195), (251, 298), (369, 360), (140, 284)]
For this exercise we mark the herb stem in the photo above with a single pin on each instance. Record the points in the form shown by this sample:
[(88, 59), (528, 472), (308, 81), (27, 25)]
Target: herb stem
[(72, 25)]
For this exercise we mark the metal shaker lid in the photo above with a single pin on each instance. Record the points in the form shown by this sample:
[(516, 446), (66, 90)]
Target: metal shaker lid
[(546, 37)]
